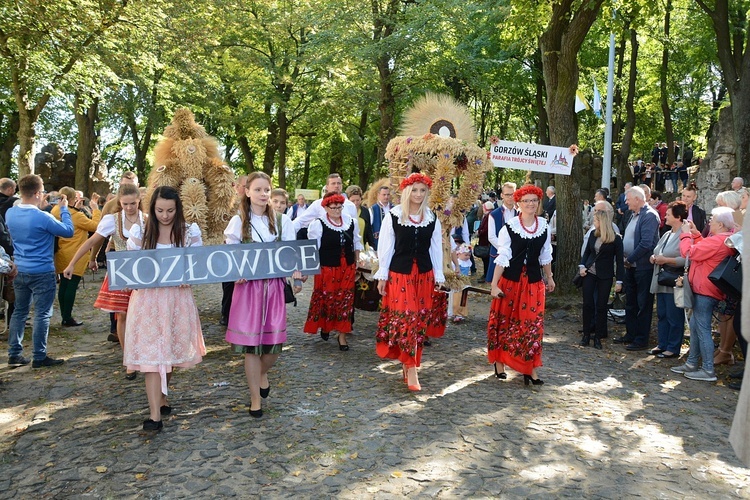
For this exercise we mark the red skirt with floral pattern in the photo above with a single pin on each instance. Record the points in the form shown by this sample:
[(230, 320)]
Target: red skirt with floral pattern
[(516, 325), (438, 315), (402, 326), (332, 301)]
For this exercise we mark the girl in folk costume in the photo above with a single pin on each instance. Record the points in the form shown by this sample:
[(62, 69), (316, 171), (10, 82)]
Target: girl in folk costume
[(257, 317), (410, 253), (163, 329), (117, 225), (332, 300), (516, 322)]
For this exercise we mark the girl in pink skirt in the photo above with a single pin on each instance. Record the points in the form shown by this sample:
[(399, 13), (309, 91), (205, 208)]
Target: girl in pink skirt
[(257, 317), (163, 329)]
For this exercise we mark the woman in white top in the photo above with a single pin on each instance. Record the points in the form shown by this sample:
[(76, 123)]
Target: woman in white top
[(410, 254), (163, 329), (118, 226), (257, 316), (339, 244)]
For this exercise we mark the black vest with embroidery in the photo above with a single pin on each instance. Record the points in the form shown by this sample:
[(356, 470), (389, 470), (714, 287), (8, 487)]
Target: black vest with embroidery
[(333, 243), (412, 242), (528, 250)]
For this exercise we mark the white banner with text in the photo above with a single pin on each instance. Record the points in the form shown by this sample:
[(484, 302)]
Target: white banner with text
[(534, 157), (210, 264)]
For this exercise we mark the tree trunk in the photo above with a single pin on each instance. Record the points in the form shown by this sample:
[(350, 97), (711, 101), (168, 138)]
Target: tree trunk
[(283, 126), (560, 44), (86, 119), (362, 171), (306, 171), (247, 153), (387, 108), (668, 132), (272, 137), (542, 124), (8, 142), (617, 122), (627, 137)]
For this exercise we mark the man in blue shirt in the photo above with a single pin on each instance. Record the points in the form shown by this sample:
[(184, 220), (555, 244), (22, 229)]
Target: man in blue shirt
[(33, 232)]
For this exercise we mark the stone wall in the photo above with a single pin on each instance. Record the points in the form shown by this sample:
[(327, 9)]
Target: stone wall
[(718, 168)]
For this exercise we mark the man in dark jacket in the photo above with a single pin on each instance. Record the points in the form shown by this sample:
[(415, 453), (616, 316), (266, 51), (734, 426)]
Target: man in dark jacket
[(640, 239), (7, 195)]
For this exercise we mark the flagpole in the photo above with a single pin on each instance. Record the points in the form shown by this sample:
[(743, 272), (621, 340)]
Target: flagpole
[(607, 163)]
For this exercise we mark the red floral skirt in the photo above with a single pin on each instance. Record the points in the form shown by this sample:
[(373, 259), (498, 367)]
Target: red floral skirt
[(332, 301), (402, 326), (115, 301), (438, 315), (516, 325)]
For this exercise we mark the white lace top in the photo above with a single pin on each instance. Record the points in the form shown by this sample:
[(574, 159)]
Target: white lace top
[(194, 238), (503, 239), (259, 229), (315, 229), (107, 227), (387, 242)]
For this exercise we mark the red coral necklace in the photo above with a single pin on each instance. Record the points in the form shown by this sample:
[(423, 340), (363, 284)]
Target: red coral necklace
[(536, 225), (421, 218), (341, 222)]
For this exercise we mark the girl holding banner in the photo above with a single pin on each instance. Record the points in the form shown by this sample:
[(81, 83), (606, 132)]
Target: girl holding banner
[(163, 329), (257, 317), (410, 253)]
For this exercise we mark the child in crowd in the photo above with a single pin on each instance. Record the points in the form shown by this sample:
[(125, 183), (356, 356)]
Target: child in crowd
[(279, 200), (463, 254), (163, 329), (257, 316)]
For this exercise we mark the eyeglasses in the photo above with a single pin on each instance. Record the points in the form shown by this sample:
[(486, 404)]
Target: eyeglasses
[(530, 202), (335, 207)]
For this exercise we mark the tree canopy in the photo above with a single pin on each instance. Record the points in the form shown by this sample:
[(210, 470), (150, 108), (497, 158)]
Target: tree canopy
[(303, 88)]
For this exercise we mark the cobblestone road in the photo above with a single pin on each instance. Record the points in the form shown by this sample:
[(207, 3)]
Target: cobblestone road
[(607, 424)]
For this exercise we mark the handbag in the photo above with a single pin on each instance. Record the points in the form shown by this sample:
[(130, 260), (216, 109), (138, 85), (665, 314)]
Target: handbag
[(366, 295), (668, 275), (683, 294), (289, 293), (481, 251), (578, 281), (727, 277)]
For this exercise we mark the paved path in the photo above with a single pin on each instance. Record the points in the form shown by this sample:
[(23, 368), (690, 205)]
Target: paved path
[(607, 424)]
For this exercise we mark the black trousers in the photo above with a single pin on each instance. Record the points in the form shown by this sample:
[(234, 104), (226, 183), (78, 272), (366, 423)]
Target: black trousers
[(595, 302), (227, 289)]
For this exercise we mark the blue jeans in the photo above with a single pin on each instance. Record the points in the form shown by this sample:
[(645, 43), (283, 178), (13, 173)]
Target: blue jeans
[(639, 304), (701, 342), (39, 288), (671, 325)]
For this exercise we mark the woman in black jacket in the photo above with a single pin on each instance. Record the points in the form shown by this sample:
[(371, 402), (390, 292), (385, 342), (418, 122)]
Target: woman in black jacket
[(603, 255)]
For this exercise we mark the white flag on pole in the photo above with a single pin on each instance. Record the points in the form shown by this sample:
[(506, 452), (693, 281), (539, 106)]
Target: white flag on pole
[(581, 102), (597, 102)]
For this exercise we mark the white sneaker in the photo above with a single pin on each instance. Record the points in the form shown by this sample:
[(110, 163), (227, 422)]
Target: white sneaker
[(684, 368), (701, 375)]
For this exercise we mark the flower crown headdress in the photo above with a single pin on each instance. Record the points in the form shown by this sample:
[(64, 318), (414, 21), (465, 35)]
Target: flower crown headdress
[(414, 178), (527, 189), (332, 198)]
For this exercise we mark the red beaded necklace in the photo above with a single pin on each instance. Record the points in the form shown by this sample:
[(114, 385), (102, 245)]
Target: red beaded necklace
[(341, 223), (421, 218), (536, 225)]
